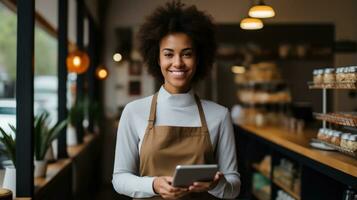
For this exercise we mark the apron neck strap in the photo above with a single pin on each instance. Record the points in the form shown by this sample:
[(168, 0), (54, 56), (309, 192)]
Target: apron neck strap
[(202, 114), (152, 116), (153, 111)]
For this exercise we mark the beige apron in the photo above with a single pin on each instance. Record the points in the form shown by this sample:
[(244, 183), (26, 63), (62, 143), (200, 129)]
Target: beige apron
[(164, 147)]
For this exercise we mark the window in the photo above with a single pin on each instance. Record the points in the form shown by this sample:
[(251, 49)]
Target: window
[(45, 79)]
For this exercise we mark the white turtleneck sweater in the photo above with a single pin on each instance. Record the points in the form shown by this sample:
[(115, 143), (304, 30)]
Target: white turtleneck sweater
[(172, 110)]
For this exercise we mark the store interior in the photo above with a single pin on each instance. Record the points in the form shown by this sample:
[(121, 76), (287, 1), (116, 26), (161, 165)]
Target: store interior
[(290, 84)]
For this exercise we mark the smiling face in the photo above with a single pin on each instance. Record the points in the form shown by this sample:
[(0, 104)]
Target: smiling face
[(177, 61)]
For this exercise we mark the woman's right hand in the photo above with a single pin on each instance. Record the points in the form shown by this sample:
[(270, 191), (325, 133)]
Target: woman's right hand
[(162, 186)]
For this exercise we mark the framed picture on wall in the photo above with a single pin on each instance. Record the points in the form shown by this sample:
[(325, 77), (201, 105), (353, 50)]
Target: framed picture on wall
[(135, 68), (134, 88)]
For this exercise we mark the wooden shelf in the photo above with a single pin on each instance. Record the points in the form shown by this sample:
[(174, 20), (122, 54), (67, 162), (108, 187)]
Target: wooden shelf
[(344, 119), (53, 170), (300, 144), (286, 189), (266, 174), (334, 85)]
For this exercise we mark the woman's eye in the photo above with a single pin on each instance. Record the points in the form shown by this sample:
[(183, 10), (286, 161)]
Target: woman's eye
[(168, 55), (187, 55)]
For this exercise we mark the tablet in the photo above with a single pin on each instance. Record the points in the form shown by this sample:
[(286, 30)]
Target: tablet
[(185, 175)]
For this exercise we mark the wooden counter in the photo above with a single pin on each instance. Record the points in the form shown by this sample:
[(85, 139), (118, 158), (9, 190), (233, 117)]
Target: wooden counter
[(299, 143)]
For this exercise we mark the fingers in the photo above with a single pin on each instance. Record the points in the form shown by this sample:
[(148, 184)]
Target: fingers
[(199, 186), (163, 187), (205, 186)]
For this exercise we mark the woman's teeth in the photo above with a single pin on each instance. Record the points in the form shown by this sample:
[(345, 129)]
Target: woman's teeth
[(178, 73)]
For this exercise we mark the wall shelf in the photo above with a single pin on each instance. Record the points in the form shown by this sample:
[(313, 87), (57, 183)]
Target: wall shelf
[(344, 119), (317, 169), (334, 85)]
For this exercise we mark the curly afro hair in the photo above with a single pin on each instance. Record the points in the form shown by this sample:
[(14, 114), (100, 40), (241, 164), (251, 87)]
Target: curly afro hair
[(175, 17)]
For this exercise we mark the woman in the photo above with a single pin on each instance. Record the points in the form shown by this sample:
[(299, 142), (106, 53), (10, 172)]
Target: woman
[(174, 126)]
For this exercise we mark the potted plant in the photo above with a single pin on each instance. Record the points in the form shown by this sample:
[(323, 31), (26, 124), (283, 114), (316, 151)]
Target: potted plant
[(43, 137), (9, 143), (75, 116)]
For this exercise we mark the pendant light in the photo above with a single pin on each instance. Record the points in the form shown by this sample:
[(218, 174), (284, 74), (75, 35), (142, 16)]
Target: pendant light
[(249, 23), (77, 62), (261, 10), (101, 72)]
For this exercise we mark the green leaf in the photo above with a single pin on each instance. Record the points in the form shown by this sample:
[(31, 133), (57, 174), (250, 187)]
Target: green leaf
[(10, 145)]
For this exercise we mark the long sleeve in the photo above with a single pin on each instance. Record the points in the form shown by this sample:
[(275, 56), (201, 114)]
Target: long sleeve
[(229, 186), (125, 176)]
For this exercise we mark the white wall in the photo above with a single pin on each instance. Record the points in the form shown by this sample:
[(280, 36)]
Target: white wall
[(341, 13)]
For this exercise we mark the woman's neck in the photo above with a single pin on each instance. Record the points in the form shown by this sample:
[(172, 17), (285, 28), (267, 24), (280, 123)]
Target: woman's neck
[(175, 90)]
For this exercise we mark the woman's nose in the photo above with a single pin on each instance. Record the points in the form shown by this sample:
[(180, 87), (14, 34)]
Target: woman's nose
[(177, 61)]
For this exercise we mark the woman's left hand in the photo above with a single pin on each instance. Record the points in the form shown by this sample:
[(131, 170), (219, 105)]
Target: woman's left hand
[(205, 186)]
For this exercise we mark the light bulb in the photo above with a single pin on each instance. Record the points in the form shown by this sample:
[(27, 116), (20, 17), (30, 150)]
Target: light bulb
[(76, 61), (117, 57)]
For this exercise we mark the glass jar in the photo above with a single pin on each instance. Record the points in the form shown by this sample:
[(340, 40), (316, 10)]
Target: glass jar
[(329, 75), (329, 134), (344, 140), (318, 76), (321, 134), (352, 143), (340, 74), (352, 73), (336, 138)]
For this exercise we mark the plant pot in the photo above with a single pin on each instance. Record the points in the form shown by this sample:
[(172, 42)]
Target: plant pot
[(71, 136), (10, 179), (49, 154), (40, 168)]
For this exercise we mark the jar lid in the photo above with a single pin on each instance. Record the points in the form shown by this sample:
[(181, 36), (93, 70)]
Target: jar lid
[(337, 134), (346, 136), (330, 132), (329, 70), (353, 138)]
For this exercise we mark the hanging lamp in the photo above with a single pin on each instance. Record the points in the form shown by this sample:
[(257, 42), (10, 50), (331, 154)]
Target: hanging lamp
[(261, 10), (250, 23), (77, 62), (101, 72)]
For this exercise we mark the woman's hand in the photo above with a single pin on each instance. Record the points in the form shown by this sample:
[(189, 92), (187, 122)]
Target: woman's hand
[(205, 186), (162, 186)]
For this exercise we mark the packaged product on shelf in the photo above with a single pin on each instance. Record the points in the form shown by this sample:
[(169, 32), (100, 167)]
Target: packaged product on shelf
[(344, 140), (328, 137), (341, 75), (329, 75), (352, 143), (318, 76), (351, 73), (336, 138), (321, 134)]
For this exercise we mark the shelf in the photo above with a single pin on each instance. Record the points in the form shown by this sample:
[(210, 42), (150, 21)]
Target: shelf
[(334, 85), (260, 195), (286, 189), (338, 148), (266, 174), (344, 119)]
